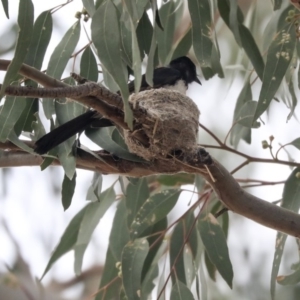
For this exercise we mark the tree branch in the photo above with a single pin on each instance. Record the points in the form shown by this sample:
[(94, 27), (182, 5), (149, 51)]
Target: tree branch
[(113, 113), (228, 190)]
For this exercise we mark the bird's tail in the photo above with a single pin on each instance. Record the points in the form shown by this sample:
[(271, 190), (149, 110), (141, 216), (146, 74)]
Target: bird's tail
[(68, 129)]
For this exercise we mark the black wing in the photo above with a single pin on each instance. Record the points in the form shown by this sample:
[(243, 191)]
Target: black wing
[(161, 77)]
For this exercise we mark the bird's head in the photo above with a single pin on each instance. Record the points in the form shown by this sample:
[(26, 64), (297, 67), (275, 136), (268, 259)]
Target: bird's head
[(187, 68)]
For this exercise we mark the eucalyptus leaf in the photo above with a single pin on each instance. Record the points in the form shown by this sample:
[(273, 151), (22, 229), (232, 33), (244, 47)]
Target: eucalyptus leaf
[(67, 191), (153, 210), (133, 256), (215, 244), (25, 23), (279, 57)]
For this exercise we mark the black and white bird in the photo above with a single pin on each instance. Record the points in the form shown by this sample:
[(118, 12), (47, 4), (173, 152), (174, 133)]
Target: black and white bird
[(177, 76)]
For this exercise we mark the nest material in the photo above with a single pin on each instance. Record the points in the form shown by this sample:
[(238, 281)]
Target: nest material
[(165, 121)]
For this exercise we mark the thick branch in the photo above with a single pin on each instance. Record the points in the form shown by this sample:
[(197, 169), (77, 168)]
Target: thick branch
[(106, 110), (225, 186)]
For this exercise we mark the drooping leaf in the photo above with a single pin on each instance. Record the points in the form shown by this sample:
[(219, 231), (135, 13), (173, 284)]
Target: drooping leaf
[(110, 285), (183, 46), (148, 285), (181, 292), (277, 4), (103, 138), (155, 240), (165, 37), (144, 34), (215, 244), (41, 35), (25, 23), (291, 279), (291, 201), (90, 220), (201, 30), (9, 115), (89, 5), (94, 190), (245, 115), (67, 191), (279, 57), (5, 7), (59, 59), (68, 239), (247, 40), (239, 131), (88, 65), (106, 38), (136, 195), (63, 51), (133, 256), (184, 232), (153, 210), (280, 243)]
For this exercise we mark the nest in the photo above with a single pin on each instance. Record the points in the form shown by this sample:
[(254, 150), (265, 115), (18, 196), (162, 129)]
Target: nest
[(166, 121)]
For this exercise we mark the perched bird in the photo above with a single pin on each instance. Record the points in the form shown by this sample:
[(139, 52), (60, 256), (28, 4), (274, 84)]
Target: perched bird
[(177, 76)]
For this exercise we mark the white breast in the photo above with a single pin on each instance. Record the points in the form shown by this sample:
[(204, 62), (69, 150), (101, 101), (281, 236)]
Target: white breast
[(179, 87)]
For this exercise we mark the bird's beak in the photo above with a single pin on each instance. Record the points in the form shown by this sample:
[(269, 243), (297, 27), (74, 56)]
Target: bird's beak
[(198, 81)]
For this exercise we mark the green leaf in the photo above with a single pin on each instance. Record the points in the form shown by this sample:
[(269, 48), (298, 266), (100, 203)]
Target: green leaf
[(148, 285), (247, 40), (179, 237), (291, 279), (233, 21), (88, 65), (181, 292), (183, 46), (294, 103), (136, 195), (63, 51), (94, 190), (215, 245), (277, 4), (245, 116), (119, 237), (279, 247), (109, 286), (89, 5), (67, 240), (67, 161), (25, 23), (153, 49), (9, 115), (155, 240), (27, 117), (133, 256), (5, 7), (153, 210), (165, 37), (201, 30), (41, 35), (103, 138), (296, 143), (240, 132), (291, 192), (106, 38), (144, 33), (90, 220), (59, 60), (279, 57), (19, 143), (67, 191)]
